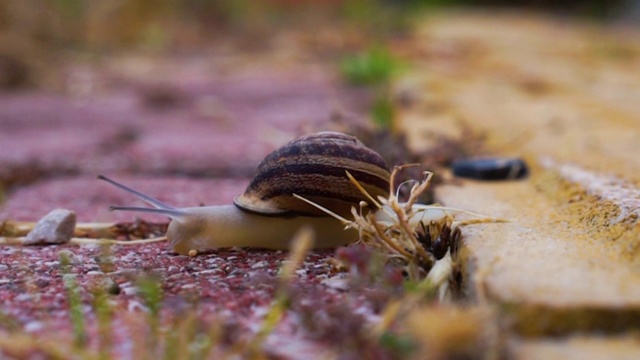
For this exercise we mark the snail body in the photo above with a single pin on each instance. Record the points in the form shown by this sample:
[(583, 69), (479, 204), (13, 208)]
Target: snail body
[(226, 225), (267, 214)]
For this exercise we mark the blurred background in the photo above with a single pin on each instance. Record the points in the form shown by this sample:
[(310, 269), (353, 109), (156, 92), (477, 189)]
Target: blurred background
[(34, 34)]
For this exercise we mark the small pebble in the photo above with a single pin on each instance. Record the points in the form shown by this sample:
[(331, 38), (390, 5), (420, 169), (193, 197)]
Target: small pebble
[(212, 271), (188, 286), (235, 272), (113, 289), (68, 277), (23, 297), (107, 284), (33, 326), (67, 257), (336, 283), (42, 282), (174, 276), (92, 268), (490, 168), (8, 251), (260, 265), (136, 306), (127, 271), (54, 228), (128, 290), (301, 272)]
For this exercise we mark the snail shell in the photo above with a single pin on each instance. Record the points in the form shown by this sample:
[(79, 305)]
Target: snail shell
[(314, 166)]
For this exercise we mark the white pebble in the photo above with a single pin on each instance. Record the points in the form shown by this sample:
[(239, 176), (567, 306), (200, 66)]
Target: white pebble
[(33, 326), (209, 271), (301, 272), (260, 265), (135, 306), (336, 283), (129, 290), (54, 228), (188, 286), (23, 297), (69, 256), (68, 277)]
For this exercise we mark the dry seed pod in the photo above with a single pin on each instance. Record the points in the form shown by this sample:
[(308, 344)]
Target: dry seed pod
[(267, 214)]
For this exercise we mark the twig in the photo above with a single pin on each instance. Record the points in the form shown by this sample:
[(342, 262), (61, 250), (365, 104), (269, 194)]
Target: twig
[(20, 228), (19, 240), (389, 242), (82, 241)]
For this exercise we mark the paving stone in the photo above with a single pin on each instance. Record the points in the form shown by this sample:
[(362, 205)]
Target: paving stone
[(225, 125), (543, 255), (568, 261), (576, 347), (580, 107), (49, 134)]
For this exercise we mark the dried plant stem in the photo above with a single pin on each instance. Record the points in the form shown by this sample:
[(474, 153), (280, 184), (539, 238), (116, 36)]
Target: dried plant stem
[(19, 240), (21, 228), (417, 190), (300, 246), (362, 190), (388, 241), (11, 240), (404, 225), (82, 241), (388, 316), (17, 343)]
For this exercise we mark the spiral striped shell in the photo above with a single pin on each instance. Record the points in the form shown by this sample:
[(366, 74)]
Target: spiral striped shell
[(314, 166)]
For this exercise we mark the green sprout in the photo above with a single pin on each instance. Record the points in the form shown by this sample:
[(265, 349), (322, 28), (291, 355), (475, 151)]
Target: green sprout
[(151, 292), (75, 302), (375, 66)]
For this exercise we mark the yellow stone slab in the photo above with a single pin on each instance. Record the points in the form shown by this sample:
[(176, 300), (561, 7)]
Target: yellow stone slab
[(565, 97)]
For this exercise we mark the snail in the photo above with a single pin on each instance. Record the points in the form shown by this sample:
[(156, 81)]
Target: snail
[(267, 215)]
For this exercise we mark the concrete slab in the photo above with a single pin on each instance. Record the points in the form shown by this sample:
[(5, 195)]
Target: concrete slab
[(543, 256), (569, 260), (573, 99), (576, 347)]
